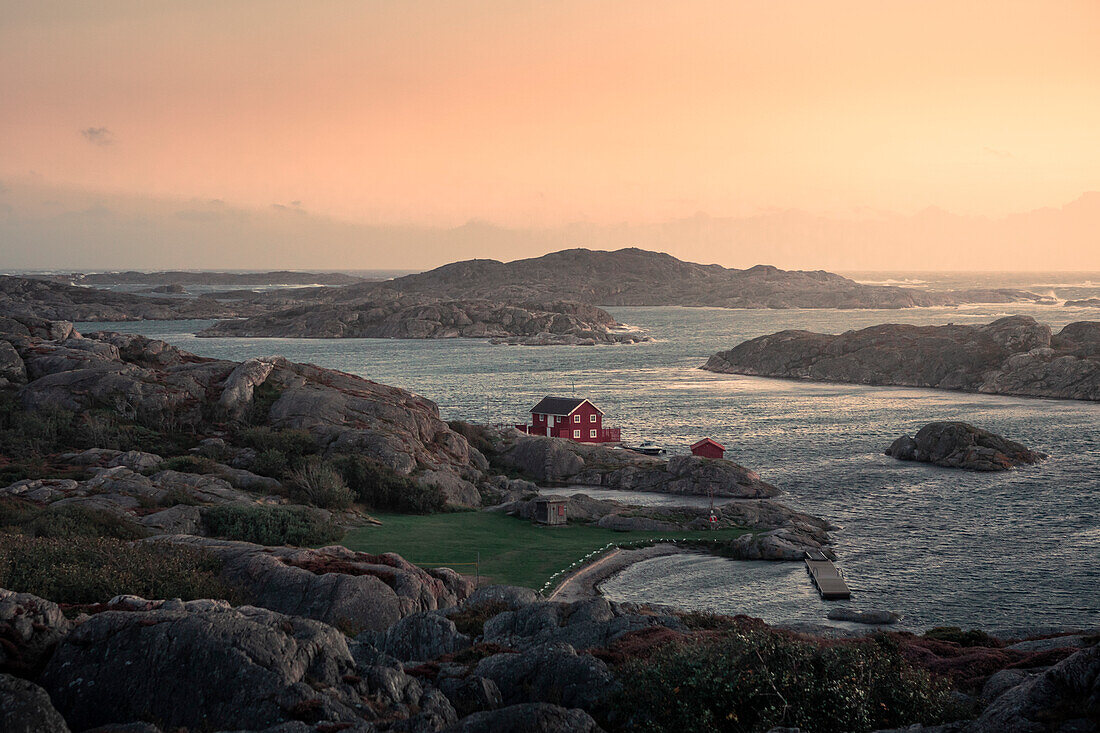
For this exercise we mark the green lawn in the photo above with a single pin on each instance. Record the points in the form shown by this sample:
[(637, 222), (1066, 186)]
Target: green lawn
[(513, 551)]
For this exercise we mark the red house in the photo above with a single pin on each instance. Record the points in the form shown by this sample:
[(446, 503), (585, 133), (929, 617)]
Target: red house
[(708, 448), (569, 417)]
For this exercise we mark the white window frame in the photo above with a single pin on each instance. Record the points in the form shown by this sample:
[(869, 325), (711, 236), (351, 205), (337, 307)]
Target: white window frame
[(576, 433), (592, 433), (592, 417), (576, 418)]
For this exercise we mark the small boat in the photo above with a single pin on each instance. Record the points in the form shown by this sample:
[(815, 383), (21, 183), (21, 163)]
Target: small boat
[(648, 448)]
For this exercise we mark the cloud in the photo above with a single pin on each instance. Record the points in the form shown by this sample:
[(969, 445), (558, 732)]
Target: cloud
[(98, 136)]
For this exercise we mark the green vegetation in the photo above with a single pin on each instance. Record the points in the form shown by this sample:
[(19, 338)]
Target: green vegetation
[(274, 525), (513, 551), (94, 569), (188, 464), (974, 637), (319, 484), (755, 680), (382, 489), (65, 522), (28, 437)]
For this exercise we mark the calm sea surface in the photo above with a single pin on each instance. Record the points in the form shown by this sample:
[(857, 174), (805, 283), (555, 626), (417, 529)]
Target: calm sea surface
[(1019, 548)]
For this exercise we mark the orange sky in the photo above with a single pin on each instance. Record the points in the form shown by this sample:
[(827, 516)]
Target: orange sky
[(536, 114)]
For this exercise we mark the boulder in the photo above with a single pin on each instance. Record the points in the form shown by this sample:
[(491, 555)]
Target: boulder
[(136, 460), (26, 708), (241, 383), (509, 596), (30, 629), (1064, 697), (178, 519), (537, 717), (470, 694), (420, 637), (352, 590), (12, 369), (961, 445), (218, 668), (587, 624), (549, 673)]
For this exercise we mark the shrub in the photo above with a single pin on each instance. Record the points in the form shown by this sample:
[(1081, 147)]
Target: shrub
[(66, 521), (93, 569), (759, 679), (259, 410), (383, 489), (319, 484), (471, 620), (271, 525), (271, 462), (188, 464), (474, 435), (974, 637), (294, 444)]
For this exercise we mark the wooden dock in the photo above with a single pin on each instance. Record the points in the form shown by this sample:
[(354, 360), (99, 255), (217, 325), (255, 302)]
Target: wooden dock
[(826, 577)]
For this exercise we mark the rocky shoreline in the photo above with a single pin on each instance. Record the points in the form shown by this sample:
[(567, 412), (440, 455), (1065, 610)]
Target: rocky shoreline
[(1011, 356)]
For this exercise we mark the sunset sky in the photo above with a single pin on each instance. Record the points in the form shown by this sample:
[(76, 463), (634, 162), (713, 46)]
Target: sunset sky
[(536, 117)]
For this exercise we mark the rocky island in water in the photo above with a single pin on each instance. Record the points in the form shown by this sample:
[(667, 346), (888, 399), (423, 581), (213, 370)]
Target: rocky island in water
[(1015, 355)]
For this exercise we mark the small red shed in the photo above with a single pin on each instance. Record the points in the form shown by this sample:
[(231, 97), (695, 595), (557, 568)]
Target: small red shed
[(708, 448)]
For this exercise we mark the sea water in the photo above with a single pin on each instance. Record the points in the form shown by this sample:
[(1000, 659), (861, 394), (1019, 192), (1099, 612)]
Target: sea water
[(939, 546)]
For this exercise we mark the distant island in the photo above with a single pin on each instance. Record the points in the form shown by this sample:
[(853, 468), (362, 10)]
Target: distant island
[(639, 277), (551, 299), (535, 324), (1011, 356)]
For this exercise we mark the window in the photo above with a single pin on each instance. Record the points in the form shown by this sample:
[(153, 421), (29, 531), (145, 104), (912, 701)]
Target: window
[(576, 433), (592, 417), (592, 433), (576, 418), (557, 419)]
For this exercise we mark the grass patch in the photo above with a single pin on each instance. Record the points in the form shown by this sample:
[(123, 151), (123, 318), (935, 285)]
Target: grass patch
[(63, 522), (513, 551)]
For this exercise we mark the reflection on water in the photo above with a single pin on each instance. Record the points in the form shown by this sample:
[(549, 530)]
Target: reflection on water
[(936, 545)]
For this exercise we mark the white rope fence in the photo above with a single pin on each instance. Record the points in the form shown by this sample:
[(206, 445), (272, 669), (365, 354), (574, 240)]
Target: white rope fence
[(621, 545)]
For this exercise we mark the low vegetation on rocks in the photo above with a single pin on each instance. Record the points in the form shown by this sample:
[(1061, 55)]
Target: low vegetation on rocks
[(754, 680), (271, 525), (80, 570)]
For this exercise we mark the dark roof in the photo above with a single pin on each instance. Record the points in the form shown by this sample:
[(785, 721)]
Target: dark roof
[(707, 440), (560, 405)]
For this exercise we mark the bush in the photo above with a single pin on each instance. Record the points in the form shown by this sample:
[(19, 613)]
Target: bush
[(271, 462), (66, 521), (319, 484), (474, 435), (974, 637), (294, 444), (274, 525), (94, 570), (759, 679), (188, 464), (384, 490)]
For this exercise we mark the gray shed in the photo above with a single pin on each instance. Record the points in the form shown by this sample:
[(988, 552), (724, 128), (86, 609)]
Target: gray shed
[(550, 511)]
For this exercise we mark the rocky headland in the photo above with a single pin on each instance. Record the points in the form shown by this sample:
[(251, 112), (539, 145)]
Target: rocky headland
[(961, 445), (210, 279), (1011, 356), (1084, 303), (502, 659), (421, 318)]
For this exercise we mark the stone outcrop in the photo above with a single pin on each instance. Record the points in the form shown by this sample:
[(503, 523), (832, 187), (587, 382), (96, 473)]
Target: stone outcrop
[(353, 590), (961, 445), (158, 385), (1012, 356), (1067, 694), (528, 718), (780, 533), (26, 708), (549, 672), (206, 666), (863, 617), (416, 317), (30, 628), (563, 461)]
